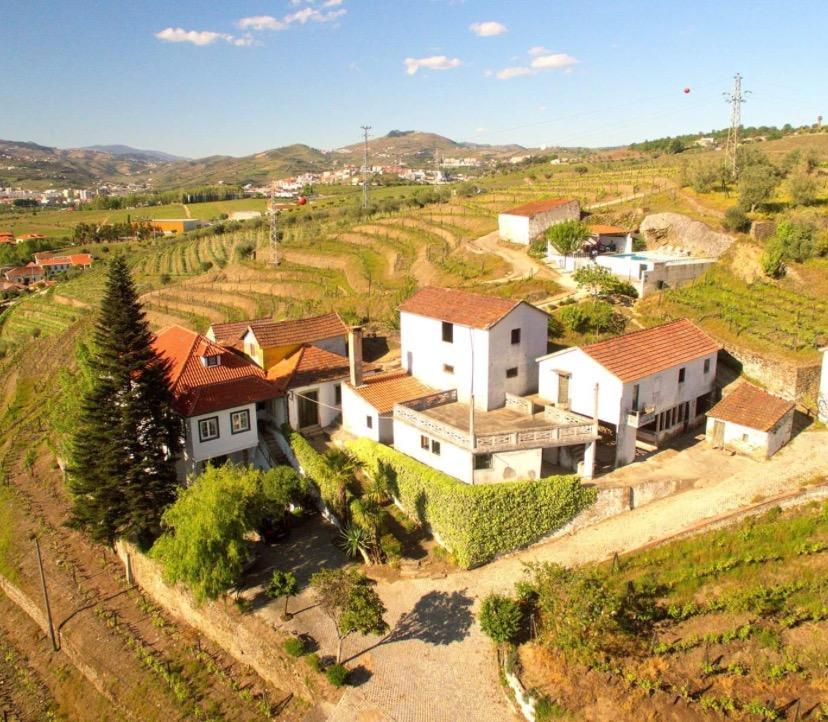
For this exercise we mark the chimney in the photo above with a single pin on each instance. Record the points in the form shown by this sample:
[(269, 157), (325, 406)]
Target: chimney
[(355, 355)]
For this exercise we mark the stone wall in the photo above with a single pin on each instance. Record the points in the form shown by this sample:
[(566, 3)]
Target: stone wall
[(799, 383), (760, 230), (248, 638)]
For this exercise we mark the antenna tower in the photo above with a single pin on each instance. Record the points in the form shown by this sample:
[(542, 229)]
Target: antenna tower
[(735, 98), (272, 212), (365, 129)]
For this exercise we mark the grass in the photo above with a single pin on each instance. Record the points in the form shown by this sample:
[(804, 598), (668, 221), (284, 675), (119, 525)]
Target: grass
[(8, 568)]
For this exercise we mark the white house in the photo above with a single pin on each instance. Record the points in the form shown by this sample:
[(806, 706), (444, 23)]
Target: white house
[(463, 402), (218, 394), (524, 223), (482, 346), (649, 385), (750, 421)]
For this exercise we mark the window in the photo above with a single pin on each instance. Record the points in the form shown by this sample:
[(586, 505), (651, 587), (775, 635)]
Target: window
[(338, 395), (208, 429), (448, 332), (211, 360), (682, 374), (482, 461), (239, 422), (707, 365), (745, 438), (448, 368), (635, 398), (512, 372), (369, 422), (435, 447), (424, 442), (515, 336), (563, 388)]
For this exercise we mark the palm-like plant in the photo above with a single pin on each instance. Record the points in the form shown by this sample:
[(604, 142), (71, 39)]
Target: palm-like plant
[(341, 465), (380, 483), (356, 541)]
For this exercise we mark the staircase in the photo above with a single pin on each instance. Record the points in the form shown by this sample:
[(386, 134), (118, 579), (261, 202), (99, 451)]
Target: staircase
[(270, 447)]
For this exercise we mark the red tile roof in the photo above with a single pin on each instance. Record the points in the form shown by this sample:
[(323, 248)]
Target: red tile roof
[(30, 269), (749, 406), (534, 207), (641, 353), (199, 389), (384, 390), (311, 365), (270, 333), (75, 259), (461, 307)]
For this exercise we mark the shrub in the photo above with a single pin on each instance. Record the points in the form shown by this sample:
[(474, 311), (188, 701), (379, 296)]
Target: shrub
[(735, 220), (476, 523), (772, 261), (294, 646), (337, 675), (546, 709), (314, 662), (500, 618), (592, 317)]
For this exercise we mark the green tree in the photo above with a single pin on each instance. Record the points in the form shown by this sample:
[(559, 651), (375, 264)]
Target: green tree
[(803, 189), (592, 317), (341, 466), (122, 471), (756, 185), (735, 220), (773, 263), (500, 618), (601, 282), (349, 600), (204, 543), (283, 584), (566, 238), (704, 177)]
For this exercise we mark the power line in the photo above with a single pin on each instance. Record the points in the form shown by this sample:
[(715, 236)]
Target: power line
[(735, 98), (365, 129)]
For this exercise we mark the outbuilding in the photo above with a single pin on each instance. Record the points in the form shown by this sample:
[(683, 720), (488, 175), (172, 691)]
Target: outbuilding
[(750, 421), (525, 223)]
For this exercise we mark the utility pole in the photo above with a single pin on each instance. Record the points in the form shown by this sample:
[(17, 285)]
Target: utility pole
[(45, 595), (735, 98), (365, 129), (272, 213)]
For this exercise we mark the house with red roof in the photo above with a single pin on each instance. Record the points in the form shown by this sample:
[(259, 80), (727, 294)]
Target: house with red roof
[(648, 385), (465, 399), (526, 222), (25, 275), (219, 394)]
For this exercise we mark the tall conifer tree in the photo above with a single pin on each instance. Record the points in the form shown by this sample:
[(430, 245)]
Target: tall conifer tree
[(122, 474)]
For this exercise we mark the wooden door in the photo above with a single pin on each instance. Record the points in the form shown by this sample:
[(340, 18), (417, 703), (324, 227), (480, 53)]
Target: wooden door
[(308, 409)]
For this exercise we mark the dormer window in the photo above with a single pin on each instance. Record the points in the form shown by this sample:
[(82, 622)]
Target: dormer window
[(213, 360)]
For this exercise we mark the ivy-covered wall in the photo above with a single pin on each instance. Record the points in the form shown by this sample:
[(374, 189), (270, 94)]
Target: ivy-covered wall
[(477, 522)]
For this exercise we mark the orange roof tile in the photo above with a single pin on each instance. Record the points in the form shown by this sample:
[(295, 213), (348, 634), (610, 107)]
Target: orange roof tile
[(461, 307), (534, 207), (311, 365), (75, 259), (641, 353), (270, 333), (199, 389), (384, 390), (747, 405)]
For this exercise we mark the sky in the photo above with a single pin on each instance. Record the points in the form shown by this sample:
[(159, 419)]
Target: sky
[(198, 78)]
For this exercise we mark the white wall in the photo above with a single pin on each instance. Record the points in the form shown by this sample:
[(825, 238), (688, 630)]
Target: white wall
[(334, 344), (514, 229), (488, 352), (522, 229), (511, 466), (584, 372), (822, 394), (355, 412), (452, 460), (327, 408), (227, 442), (753, 442)]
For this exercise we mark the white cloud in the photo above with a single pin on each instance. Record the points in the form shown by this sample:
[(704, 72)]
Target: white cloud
[(435, 62), (517, 71), (553, 61), (542, 59), (201, 37), (331, 3), (488, 29), (262, 22)]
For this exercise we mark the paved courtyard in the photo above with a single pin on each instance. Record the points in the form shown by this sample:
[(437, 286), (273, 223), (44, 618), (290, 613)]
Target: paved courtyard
[(435, 665)]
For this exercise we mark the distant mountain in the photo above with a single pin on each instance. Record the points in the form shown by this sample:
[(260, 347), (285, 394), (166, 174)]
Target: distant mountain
[(134, 152)]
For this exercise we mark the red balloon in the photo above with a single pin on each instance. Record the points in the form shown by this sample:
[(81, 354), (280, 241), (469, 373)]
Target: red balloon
[(686, 90), (301, 200)]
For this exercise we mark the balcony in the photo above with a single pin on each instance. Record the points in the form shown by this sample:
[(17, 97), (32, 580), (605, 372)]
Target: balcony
[(640, 417), (505, 429)]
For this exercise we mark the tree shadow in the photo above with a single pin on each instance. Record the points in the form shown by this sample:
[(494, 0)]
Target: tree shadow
[(438, 618), (359, 676)]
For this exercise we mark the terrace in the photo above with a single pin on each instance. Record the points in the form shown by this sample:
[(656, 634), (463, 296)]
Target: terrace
[(527, 422)]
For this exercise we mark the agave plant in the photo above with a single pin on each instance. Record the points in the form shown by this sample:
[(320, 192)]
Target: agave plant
[(356, 541)]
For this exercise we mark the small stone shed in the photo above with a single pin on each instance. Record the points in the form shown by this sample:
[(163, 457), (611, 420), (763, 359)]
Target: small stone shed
[(751, 422)]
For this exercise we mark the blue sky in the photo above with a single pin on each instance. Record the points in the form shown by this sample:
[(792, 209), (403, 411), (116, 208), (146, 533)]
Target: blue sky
[(198, 78)]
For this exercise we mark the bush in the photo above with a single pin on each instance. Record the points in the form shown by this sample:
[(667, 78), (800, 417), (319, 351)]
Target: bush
[(476, 523), (735, 220), (294, 646), (337, 675), (500, 618), (773, 264), (592, 317), (314, 662)]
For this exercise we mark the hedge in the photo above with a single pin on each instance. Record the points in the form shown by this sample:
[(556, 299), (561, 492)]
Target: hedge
[(313, 466), (478, 522)]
